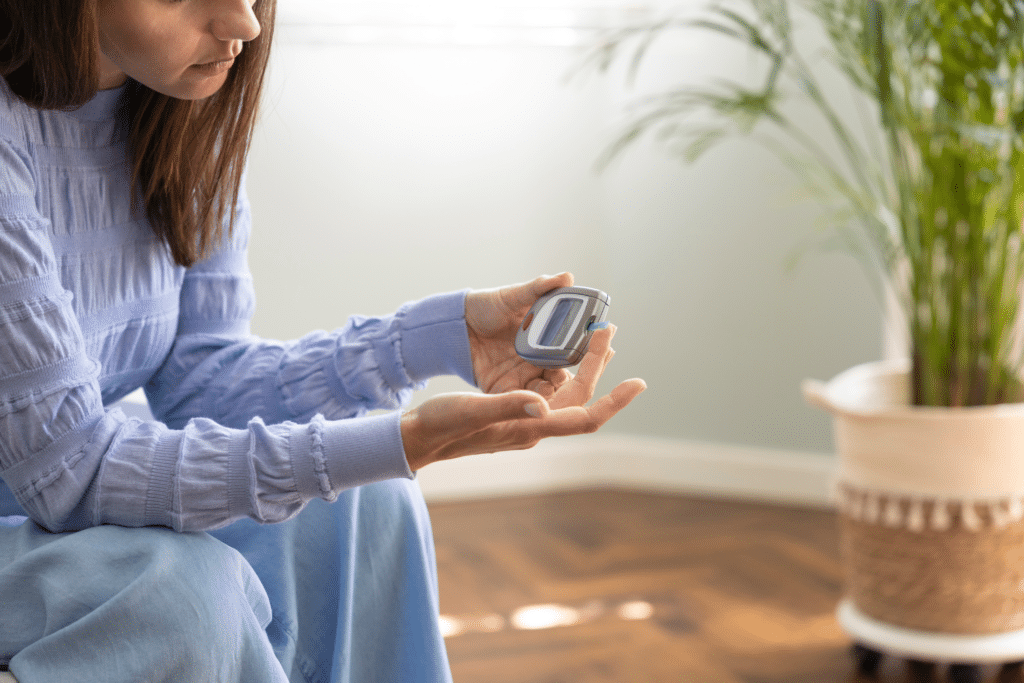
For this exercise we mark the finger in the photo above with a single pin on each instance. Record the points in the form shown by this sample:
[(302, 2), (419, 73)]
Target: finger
[(557, 377), (521, 297), (512, 405), (550, 381), (471, 412), (541, 386), (599, 347), (582, 387), (583, 420), (621, 396)]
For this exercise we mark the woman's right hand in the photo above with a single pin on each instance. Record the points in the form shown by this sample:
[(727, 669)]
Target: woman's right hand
[(453, 425)]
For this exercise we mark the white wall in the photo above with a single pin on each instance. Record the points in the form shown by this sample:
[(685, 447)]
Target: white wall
[(391, 164)]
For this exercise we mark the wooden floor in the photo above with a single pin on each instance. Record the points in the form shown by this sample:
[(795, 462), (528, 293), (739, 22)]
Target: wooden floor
[(644, 587)]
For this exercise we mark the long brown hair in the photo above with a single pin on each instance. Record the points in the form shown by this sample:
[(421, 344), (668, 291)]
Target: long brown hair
[(187, 156)]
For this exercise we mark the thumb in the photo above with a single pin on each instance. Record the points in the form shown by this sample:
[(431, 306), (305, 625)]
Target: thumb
[(488, 409), (524, 295), (477, 411)]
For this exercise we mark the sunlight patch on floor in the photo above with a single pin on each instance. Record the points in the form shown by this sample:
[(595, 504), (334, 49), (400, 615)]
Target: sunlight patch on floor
[(544, 616)]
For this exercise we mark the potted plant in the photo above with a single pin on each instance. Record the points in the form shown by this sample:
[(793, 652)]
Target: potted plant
[(931, 449)]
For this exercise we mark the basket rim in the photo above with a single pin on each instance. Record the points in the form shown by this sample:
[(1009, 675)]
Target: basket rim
[(882, 389)]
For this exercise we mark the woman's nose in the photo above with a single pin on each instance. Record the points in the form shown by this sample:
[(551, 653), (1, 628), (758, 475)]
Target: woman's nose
[(235, 20)]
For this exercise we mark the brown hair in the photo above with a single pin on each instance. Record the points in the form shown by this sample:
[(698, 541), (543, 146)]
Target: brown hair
[(187, 156)]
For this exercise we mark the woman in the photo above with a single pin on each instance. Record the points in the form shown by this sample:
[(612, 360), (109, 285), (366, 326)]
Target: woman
[(265, 528)]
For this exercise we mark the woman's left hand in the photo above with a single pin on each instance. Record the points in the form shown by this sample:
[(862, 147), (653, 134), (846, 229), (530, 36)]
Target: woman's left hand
[(493, 317), (455, 425)]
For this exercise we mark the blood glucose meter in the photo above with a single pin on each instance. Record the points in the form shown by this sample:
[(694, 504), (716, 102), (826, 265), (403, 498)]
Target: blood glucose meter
[(556, 331)]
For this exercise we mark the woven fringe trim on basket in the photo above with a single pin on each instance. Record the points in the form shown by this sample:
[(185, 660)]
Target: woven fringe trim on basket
[(920, 513)]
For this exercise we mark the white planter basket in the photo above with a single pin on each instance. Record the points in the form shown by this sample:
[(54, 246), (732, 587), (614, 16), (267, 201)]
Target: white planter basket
[(932, 505)]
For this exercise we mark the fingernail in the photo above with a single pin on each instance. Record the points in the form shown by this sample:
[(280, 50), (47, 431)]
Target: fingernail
[(532, 409)]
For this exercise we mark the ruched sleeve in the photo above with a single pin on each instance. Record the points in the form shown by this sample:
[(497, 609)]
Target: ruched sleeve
[(246, 427), (217, 370)]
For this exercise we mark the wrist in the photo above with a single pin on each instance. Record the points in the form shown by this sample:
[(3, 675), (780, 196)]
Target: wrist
[(435, 338), (416, 453)]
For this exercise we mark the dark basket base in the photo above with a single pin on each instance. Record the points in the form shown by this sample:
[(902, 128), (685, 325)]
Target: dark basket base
[(868, 663)]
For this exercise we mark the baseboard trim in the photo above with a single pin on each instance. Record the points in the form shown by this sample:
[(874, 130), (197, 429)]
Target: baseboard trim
[(664, 465)]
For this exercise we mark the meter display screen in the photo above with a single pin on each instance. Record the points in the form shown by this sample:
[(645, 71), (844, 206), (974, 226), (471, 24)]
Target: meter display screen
[(557, 328)]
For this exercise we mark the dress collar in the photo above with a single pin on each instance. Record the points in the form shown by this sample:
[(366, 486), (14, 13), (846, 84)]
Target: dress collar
[(102, 106)]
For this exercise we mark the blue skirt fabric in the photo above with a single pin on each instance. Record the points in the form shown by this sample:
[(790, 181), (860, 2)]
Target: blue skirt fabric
[(344, 592)]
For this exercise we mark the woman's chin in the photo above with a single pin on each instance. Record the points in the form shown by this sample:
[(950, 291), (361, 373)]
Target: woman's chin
[(192, 85)]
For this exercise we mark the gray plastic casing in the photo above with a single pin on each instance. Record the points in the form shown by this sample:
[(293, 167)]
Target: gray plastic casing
[(572, 336)]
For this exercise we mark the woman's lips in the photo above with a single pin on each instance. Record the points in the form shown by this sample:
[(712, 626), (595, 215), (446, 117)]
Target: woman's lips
[(214, 67)]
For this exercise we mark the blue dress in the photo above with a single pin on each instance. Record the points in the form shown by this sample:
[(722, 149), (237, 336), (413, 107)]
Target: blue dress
[(262, 527)]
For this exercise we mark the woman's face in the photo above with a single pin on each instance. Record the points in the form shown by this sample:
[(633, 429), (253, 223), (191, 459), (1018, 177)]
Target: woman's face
[(181, 48)]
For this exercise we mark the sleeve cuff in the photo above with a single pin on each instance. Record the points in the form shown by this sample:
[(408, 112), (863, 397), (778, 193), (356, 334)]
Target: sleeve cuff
[(349, 453), (435, 340)]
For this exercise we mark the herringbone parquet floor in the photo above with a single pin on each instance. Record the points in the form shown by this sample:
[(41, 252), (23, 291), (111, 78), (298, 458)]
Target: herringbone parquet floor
[(623, 587)]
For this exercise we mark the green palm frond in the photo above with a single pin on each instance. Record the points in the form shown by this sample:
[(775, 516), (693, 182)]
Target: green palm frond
[(935, 207)]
